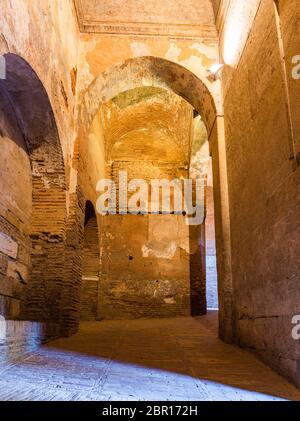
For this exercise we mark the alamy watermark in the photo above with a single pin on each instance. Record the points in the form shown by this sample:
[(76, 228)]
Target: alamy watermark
[(178, 196), (296, 328), (296, 68), (2, 328), (2, 67)]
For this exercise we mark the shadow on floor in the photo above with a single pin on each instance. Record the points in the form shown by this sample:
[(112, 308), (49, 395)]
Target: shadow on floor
[(157, 359)]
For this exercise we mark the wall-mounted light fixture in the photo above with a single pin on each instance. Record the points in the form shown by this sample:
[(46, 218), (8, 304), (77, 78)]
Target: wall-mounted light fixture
[(214, 71)]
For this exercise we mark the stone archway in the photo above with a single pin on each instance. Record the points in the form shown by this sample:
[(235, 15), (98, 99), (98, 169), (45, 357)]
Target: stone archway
[(160, 73), (40, 242)]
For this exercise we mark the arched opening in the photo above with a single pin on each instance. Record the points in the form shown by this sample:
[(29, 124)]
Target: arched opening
[(148, 274), (162, 74), (33, 217), (89, 302)]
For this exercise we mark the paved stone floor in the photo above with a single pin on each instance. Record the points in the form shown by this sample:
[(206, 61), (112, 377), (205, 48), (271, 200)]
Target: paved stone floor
[(166, 359)]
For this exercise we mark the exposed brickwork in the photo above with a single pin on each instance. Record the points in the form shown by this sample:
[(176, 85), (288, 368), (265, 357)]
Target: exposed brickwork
[(70, 303), (90, 285), (20, 339), (142, 275), (264, 186), (43, 240)]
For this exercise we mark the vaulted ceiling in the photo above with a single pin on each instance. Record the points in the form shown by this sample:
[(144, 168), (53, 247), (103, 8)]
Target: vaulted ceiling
[(147, 124), (188, 18)]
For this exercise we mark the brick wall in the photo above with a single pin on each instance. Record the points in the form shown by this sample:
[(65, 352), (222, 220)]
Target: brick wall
[(264, 186), (151, 265), (33, 208), (145, 269), (89, 300), (20, 338)]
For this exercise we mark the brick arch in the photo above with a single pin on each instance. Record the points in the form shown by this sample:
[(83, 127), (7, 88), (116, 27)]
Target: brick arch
[(161, 73), (148, 71), (31, 105)]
